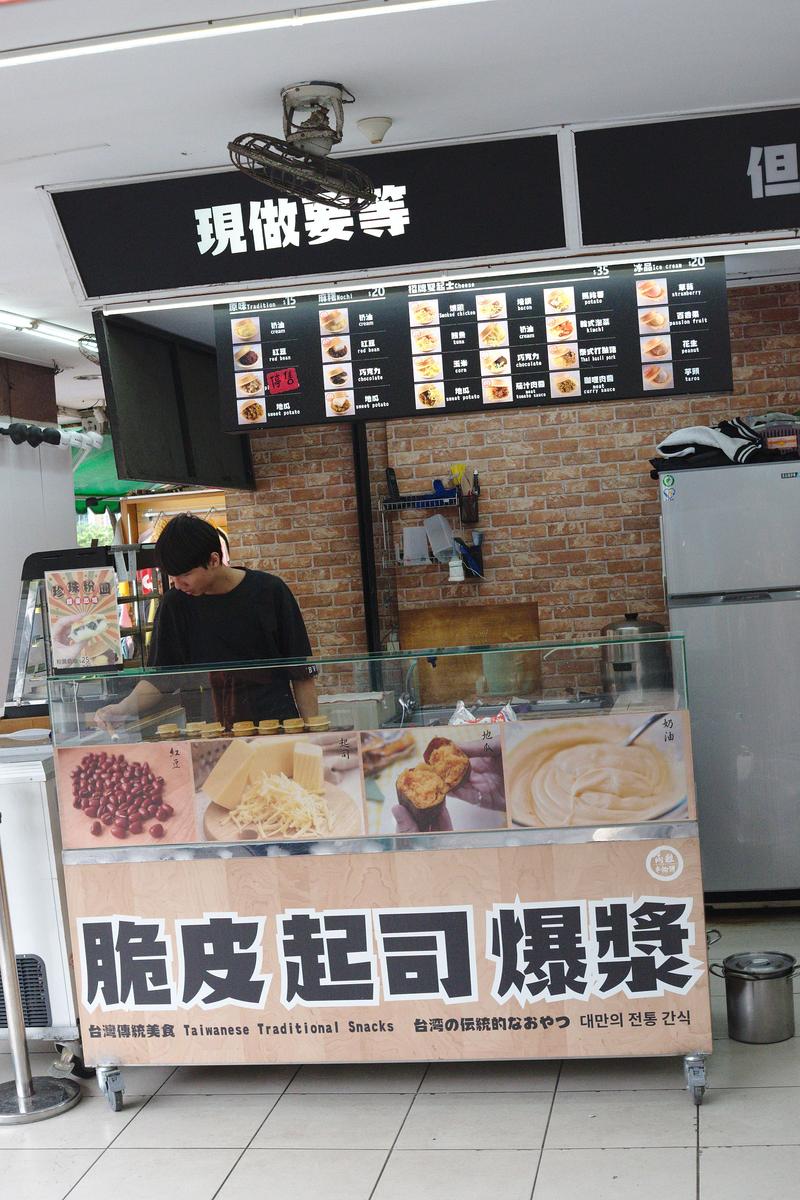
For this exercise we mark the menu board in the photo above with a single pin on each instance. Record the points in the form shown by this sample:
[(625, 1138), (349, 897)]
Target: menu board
[(454, 346), (83, 618)]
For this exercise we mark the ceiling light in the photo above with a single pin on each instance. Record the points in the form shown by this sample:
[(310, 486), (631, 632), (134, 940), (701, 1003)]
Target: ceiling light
[(45, 329), (375, 129), (198, 31)]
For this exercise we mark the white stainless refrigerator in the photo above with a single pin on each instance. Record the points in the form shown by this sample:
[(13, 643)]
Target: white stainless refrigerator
[(731, 546)]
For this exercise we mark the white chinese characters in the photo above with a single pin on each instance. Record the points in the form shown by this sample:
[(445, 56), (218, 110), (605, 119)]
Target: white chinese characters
[(275, 224), (773, 170)]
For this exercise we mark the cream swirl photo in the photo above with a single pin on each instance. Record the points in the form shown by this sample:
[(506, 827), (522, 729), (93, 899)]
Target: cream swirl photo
[(585, 772)]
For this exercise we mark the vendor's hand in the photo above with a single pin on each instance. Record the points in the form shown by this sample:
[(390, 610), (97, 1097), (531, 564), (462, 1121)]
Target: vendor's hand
[(485, 784), (407, 824), (62, 637), (110, 717)]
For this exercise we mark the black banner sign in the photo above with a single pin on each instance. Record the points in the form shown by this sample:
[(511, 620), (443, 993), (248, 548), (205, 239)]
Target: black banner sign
[(452, 202), (452, 347), (694, 178)]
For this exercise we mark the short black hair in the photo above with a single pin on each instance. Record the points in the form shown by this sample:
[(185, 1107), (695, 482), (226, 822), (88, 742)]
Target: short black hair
[(187, 542)]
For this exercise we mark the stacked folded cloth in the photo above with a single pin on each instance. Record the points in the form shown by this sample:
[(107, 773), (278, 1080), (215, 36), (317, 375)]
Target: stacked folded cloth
[(731, 441)]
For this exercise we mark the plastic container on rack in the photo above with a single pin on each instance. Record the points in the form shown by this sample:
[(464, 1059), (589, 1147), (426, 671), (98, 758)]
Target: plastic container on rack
[(758, 995), (440, 536)]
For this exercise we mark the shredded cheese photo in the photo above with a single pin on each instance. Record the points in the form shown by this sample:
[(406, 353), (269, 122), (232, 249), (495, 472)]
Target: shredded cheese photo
[(276, 806)]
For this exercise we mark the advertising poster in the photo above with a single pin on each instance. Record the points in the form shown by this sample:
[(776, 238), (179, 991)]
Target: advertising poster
[(537, 951), (83, 619)]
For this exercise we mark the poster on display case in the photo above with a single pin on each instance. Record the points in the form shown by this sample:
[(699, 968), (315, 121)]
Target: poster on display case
[(609, 770), (640, 330), (83, 619), (532, 952)]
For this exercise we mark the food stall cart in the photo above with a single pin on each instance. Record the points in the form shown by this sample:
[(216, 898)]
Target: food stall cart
[(522, 885)]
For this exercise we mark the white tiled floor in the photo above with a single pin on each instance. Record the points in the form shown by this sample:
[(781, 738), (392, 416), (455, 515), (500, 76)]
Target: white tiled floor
[(463, 1131)]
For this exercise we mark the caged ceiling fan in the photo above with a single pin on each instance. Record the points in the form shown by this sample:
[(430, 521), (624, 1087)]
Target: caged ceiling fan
[(299, 164)]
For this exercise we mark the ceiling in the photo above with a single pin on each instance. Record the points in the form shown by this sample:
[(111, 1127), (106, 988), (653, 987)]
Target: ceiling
[(444, 74)]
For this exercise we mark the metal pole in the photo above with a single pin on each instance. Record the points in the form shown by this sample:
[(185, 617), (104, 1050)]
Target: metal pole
[(26, 1099)]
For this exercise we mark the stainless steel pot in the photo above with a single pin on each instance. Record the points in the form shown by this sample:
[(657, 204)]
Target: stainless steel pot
[(635, 666), (758, 995)]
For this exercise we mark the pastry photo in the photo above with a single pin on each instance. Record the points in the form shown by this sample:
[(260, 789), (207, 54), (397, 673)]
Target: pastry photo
[(245, 329), (339, 404), (559, 300), (247, 356), (651, 291), (562, 356), (435, 780), (250, 384), (427, 366), (657, 376), (426, 341), (339, 377), (424, 312), (335, 349), (656, 348), (498, 391), (653, 320), (564, 384), (251, 412), (334, 320), (493, 333), (495, 362), (560, 329), (429, 395), (492, 306)]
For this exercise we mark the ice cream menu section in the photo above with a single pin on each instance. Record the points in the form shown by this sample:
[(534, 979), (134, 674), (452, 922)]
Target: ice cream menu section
[(620, 332)]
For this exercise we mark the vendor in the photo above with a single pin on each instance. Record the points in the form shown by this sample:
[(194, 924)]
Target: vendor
[(216, 614)]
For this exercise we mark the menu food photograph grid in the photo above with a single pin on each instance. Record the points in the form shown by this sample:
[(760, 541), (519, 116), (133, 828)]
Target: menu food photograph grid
[(620, 332)]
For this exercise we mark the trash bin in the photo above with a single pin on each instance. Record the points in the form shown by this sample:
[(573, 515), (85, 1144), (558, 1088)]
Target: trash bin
[(758, 995)]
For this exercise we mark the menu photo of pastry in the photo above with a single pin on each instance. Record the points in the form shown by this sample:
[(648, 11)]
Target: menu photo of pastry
[(423, 312), (334, 320), (562, 355), (657, 376), (654, 349), (336, 349), (340, 404), (498, 391), (250, 383), (426, 341), (245, 329), (281, 789), (493, 333), (564, 384), (651, 291), (492, 306), (246, 357), (429, 395), (559, 300), (339, 377), (584, 771), (435, 780), (560, 329), (251, 412), (495, 362), (653, 320), (427, 366)]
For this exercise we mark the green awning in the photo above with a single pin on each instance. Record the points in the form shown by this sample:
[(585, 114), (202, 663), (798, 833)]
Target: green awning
[(96, 483)]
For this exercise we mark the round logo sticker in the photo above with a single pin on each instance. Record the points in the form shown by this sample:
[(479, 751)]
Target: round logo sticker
[(665, 863), (668, 480)]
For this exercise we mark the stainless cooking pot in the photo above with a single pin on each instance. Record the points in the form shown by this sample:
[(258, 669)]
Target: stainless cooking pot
[(632, 666), (758, 995)]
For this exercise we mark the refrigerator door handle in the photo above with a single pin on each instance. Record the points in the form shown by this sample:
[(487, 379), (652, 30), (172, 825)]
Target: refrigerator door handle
[(745, 597)]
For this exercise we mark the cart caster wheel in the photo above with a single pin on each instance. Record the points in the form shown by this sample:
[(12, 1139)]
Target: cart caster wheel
[(110, 1082), (697, 1095), (70, 1063), (694, 1069)]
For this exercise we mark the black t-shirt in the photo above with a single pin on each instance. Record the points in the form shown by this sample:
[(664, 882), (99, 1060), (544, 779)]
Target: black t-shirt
[(260, 619)]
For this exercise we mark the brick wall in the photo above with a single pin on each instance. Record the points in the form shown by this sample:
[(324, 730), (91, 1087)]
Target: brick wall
[(569, 511)]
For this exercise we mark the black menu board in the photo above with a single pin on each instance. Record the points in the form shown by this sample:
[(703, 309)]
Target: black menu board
[(454, 346)]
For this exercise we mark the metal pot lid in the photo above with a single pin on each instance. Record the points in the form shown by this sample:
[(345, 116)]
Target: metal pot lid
[(632, 624), (759, 964)]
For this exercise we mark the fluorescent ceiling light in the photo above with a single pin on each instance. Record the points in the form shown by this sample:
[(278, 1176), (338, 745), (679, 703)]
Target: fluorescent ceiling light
[(45, 329), (200, 30)]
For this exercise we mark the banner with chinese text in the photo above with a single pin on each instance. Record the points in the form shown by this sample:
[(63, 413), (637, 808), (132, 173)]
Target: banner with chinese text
[(538, 951)]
